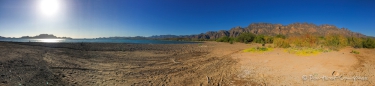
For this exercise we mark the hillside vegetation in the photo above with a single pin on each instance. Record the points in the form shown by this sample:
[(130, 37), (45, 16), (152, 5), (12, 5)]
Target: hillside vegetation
[(268, 29), (333, 41), (296, 35)]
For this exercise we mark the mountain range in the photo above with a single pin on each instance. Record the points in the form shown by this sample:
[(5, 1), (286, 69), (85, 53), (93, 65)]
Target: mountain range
[(295, 29)]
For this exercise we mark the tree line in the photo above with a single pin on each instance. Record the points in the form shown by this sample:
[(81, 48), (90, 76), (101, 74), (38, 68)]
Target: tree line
[(332, 41)]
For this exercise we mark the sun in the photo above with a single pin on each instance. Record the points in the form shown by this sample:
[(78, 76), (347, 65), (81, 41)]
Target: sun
[(49, 8)]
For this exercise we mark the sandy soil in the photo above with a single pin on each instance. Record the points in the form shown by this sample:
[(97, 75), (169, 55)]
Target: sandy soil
[(207, 64), (336, 68)]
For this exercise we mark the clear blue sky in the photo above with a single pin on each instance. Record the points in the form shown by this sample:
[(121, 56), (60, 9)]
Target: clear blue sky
[(104, 18)]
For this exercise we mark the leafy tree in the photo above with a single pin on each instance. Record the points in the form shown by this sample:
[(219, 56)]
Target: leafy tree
[(280, 36), (231, 41), (223, 39), (245, 37), (369, 43), (259, 39)]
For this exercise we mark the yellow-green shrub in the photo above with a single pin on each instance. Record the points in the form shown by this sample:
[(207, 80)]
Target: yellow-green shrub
[(305, 51), (268, 39), (336, 42), (279, 42), (258, 49), (355, 42), (355, 52), (306, 40)]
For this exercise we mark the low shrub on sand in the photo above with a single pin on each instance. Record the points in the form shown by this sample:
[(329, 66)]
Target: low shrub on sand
[(355, 52), (231, 42), (306, 51), (258, 49)]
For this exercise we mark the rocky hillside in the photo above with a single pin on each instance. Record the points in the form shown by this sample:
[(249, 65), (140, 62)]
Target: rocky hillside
[(294, 29)]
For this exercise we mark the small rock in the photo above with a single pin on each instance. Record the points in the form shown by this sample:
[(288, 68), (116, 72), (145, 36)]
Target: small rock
[(335, 73)]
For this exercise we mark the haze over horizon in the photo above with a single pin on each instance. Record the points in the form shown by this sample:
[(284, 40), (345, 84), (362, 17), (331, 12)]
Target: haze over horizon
[(105, 18)]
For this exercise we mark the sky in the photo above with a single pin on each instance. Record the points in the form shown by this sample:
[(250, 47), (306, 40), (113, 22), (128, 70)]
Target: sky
[(105, 18)]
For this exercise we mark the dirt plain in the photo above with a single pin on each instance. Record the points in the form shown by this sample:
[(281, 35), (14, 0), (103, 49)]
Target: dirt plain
[(202, 64)]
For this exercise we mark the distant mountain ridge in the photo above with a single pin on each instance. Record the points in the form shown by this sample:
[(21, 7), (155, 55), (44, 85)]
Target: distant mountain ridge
[(295, 29), (45, 36)]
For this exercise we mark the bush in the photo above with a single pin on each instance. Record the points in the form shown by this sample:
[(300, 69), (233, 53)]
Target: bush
[(245, 37), (369, 43), (321, 40), (258, 49), (306, 40), (279, 42), (305, 51), (259, 39), (355, 52), (336, 42), (223, 39), (268, 39), (355, 42), (280, 36), (262, 49), (310, 40)]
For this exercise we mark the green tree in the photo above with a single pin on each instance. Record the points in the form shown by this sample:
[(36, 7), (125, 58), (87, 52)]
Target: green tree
[(355, 42), (259, 39), (223, 39), (280, 36), (369, 43), (245, 37)]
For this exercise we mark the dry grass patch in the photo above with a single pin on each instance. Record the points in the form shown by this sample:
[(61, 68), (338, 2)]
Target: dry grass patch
[(306, 51), (258, 49)]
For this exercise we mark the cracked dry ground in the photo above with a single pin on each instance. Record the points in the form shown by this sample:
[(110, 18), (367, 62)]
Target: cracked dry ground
[(96, 64)]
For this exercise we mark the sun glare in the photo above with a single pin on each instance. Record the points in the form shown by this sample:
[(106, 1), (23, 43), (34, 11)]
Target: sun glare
[(49, 8), (50, 40)]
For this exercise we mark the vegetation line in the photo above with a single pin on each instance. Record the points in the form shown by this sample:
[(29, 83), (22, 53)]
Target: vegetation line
[(332, 42)]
